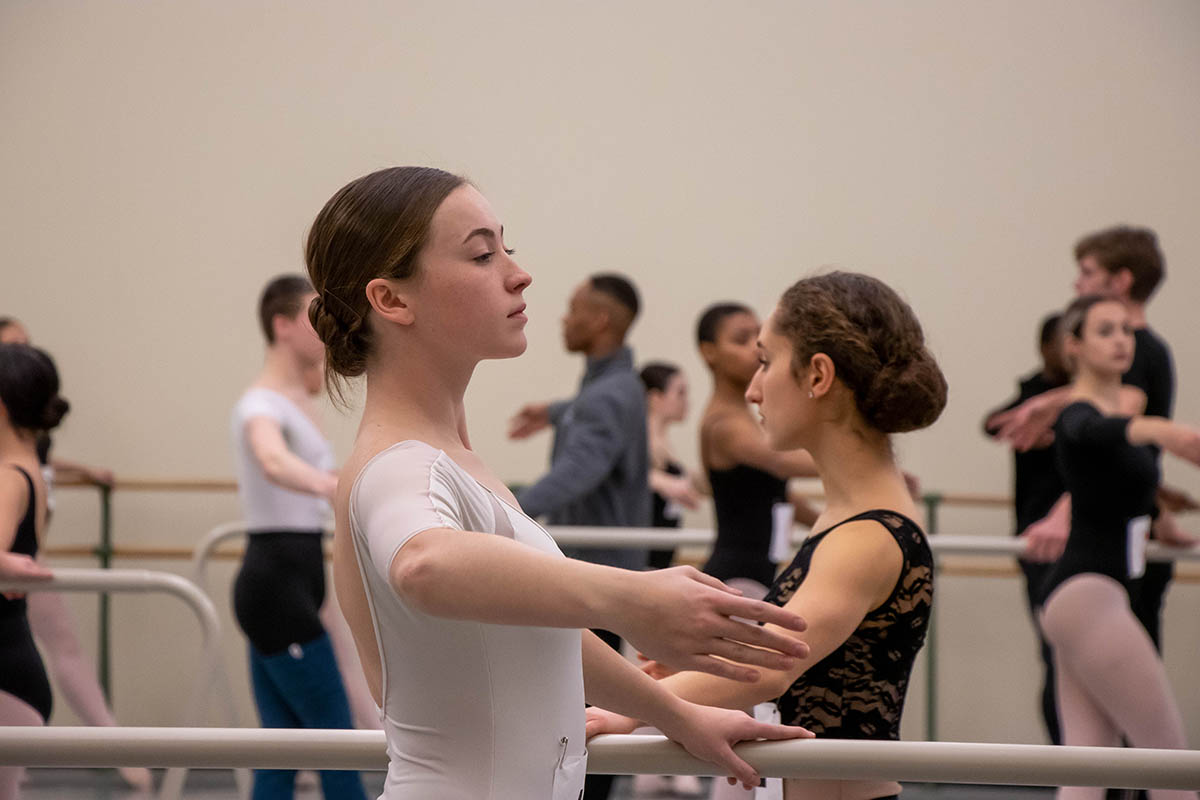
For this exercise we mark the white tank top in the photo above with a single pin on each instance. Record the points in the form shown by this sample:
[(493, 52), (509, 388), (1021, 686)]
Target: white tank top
[(265, 505), (470, 710)]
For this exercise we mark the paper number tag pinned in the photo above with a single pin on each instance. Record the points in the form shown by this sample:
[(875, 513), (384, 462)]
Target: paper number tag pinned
[(1136, 535)]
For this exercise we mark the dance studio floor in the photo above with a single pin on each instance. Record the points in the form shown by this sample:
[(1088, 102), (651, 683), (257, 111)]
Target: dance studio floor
[(65, 784)]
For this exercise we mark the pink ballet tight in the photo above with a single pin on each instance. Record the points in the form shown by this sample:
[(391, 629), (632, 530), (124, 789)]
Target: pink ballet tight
[(1110, 681)]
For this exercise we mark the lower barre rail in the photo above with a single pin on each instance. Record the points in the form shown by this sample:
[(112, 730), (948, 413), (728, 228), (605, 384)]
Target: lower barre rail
[(925, 762)]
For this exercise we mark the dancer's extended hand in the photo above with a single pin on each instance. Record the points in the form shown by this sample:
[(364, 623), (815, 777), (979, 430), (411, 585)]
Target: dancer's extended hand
[(682, 617), (529, 420)]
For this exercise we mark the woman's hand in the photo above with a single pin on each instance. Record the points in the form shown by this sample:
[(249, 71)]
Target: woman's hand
[(679, 489), (655, 669), (601, 721), (19, 565), (684, 618), (710, 733)]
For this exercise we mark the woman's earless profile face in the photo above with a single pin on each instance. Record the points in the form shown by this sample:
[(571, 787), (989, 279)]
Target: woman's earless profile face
[(672, 401), (468, 289), (783, 407), (735, 352)]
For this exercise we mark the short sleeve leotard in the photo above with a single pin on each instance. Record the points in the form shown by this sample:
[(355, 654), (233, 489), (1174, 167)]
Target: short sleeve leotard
[(1112, 484), (743, 499), (22, 673), (858, 690), (471, 710)]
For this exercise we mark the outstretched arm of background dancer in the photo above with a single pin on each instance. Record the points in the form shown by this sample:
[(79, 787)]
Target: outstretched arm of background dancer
[(1179, 440), (283, 467), (707, 733), (679, 615), (739, 440)]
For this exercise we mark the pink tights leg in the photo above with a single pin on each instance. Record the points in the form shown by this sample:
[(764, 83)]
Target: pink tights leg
[(14, 711), (1110, 680), (52, 626)]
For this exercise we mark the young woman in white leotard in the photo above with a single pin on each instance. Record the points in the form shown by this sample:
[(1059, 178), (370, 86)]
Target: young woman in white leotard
[(466, 615)]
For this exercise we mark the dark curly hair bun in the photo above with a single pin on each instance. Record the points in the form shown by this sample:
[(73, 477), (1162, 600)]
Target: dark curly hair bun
[(876, 345)]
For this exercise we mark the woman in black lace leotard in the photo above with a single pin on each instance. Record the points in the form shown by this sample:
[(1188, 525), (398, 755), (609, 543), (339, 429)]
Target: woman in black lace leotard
[(843, 365), (29, 404), (1110, 680)]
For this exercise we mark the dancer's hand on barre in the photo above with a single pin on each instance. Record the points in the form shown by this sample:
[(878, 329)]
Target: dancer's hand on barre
[(678, 488), (1168, 532), (18, 565), (707, 733), (529, 420), (1176, 500), (1046, 539), (682, 617)]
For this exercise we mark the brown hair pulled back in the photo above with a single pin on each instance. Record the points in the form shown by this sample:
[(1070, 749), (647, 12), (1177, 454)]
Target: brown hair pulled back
[(875, 343), (373, 227)]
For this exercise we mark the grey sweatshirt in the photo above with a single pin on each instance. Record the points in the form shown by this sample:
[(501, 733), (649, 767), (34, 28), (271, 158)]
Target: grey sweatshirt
[(599, 468)]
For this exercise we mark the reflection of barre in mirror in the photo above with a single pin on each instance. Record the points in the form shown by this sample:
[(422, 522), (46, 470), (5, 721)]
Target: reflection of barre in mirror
[(924, 762), (140, 580)]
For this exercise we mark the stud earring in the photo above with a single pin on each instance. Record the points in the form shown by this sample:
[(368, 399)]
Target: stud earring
[(810, 395)]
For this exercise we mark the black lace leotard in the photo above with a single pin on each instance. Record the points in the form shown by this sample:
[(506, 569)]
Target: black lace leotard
[(1112, 484), (22, 673), (857, 691), (743, 499)]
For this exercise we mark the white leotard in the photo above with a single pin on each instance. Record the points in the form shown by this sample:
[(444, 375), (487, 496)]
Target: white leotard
[(471, 711), (265, 505)]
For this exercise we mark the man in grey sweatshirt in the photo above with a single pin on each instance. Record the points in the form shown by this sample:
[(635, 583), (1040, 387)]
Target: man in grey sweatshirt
[(600, 463), (599, 468)]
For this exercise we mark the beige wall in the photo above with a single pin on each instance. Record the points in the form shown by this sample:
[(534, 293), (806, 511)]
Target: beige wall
[(161, 161)]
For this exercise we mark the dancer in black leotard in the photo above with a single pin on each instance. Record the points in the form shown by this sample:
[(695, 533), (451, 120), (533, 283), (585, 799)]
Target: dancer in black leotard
[(29, 404), (1036, 488), (672, 488), (843, 366), (1110, 680), (748, 479)]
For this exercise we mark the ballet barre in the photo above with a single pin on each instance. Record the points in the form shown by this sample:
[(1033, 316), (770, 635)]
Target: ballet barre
[(583, 537), (105, 581), (924, 762)]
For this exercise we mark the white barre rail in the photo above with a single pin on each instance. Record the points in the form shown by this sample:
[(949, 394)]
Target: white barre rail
[(142, 580), (580, 536), (925, 762)]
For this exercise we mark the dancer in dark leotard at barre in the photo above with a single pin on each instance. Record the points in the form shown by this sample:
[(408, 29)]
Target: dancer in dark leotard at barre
[(673, 489), (29, 405), (843, 366), (748, 479), (1110, 680)]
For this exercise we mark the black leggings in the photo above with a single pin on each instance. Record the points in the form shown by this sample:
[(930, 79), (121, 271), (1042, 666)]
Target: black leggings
[(280, 588)]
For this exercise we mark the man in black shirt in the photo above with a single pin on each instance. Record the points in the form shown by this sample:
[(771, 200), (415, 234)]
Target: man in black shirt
[(1037, 487), (1125, 263)]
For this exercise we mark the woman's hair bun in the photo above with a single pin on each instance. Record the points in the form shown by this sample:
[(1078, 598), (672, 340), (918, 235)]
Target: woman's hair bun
[(346, 347), (905, 395), (29, 388), (875, 342), (54, 412)]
